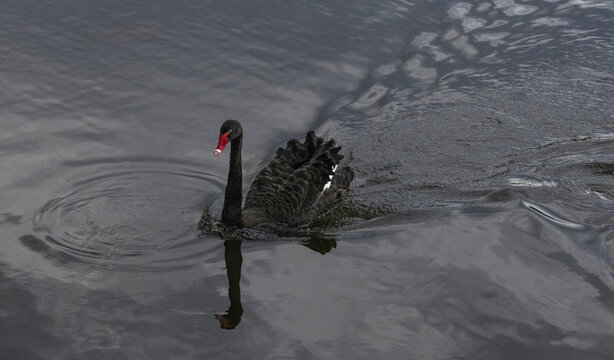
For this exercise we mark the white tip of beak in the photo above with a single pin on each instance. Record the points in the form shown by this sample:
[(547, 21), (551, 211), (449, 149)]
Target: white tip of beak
[(217, 152)]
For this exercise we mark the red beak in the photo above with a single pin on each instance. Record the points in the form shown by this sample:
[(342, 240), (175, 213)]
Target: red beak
[(221, 144)]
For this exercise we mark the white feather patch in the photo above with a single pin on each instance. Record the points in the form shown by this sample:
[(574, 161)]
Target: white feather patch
[(327, 185)]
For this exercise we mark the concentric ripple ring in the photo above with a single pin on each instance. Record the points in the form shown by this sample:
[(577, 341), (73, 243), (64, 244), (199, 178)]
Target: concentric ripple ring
[(136, 214)]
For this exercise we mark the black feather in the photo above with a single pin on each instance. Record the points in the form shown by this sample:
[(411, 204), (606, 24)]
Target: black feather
[(289, 188)]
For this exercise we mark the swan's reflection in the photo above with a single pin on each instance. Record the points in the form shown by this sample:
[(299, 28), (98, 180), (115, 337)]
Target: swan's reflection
[(234, 260)]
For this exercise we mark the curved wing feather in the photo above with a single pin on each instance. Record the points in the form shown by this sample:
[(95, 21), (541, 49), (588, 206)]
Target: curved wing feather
[(289, 187)]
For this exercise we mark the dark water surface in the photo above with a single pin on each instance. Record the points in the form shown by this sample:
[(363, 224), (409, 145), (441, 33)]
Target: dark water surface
[(480, 224)]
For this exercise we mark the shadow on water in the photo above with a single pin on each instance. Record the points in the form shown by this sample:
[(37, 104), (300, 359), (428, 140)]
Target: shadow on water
[(314, 240), (311, 236), (234, 260), (314, 235)]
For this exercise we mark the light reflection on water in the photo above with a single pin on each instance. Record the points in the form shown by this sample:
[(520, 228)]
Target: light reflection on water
[(479, 225)]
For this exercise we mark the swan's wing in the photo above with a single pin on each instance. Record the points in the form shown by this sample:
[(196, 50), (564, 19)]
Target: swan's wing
[(341, 181), (292, 183), (287, 160)]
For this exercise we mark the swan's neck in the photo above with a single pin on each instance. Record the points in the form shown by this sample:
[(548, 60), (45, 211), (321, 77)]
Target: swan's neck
[(231, 214)]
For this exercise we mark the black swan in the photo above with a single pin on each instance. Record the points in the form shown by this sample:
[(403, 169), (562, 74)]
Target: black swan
[(292, 189)]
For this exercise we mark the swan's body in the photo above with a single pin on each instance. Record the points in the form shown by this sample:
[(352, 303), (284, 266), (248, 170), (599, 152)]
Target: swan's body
[(292, 189)]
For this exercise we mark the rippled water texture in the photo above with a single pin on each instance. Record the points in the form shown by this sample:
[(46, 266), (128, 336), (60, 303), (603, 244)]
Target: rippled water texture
[(479, 225), (106, 219)]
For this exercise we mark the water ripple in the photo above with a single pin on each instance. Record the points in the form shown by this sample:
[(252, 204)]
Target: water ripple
[(128, 213), (557, 219), (511, 8)]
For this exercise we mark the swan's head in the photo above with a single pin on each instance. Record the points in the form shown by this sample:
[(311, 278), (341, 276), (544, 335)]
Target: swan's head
[(230, 130)]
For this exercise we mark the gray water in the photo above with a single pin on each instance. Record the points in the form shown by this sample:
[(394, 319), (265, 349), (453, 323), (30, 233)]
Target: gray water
[(479, 225)]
